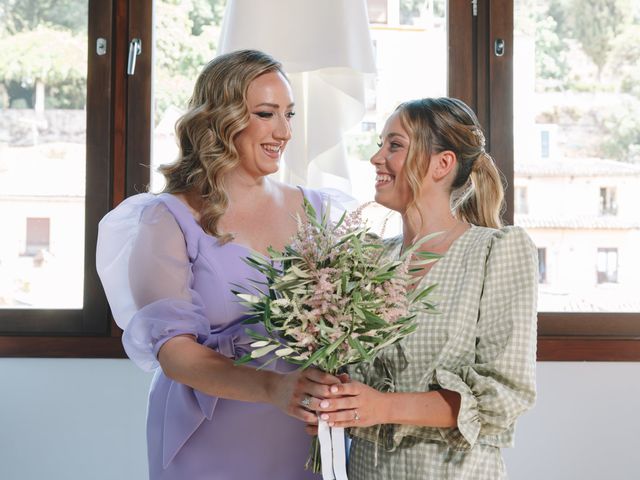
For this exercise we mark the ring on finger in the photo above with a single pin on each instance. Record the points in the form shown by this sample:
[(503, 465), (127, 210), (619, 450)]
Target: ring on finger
[(306, 401), (356, 417)]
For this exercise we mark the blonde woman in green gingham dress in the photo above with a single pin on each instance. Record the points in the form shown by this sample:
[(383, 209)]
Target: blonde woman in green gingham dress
[(453, 389)]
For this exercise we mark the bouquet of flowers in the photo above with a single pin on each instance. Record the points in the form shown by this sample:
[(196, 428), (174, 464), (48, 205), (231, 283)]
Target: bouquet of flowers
[(333, 299)]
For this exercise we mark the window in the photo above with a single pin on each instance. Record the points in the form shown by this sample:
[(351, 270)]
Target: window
[(521, 200), (575, 138), (368, 126), (563, 209), (55, 164), (608, 204), (544, 144), (542, 265), (607, 265), (377, 10), (569, 216), (560, 198), (37, 236), (43, 150)]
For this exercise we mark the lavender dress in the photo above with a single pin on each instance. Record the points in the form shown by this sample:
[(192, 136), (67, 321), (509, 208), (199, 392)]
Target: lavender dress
[(164, 276)]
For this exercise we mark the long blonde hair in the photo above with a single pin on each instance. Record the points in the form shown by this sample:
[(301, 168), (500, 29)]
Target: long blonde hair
[(217, 113), (438, 124)]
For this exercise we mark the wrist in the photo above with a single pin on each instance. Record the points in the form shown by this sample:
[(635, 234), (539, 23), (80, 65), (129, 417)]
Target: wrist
[(270, 386), (387, 410)]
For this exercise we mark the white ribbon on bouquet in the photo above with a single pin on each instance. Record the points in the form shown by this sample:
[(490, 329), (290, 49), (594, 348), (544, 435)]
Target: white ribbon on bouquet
[(332, 451)]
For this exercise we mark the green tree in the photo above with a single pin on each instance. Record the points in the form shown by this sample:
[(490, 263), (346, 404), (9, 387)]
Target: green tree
[(42, 40), (625, 60), (363, 145), (186, 34), (410, 9), (24, 15), (552, 66), (28, 58), (596, 23), (546, 24), (205, 13), (621, 134)]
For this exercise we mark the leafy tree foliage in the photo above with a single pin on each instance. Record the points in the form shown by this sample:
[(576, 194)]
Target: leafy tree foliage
[(44, 42), (24, 15), (43, 55), (186, 34), (595, 25), (621, 134), (625, 60)]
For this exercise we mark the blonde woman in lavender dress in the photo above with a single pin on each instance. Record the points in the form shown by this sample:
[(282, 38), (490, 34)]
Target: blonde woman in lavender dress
[(446, 400), (168, 264)]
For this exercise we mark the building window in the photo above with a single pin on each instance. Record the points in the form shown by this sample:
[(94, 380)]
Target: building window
[(608, 203), (368, 126), (607, 268), (542, 265), (370, 93), (521, 200), (377, 10), (544, 144), (37, 238)]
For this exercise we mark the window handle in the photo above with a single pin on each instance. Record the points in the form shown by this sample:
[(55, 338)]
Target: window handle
[(135, 48)]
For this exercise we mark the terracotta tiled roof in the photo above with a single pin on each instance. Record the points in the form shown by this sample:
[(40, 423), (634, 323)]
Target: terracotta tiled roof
[(577, 222), (576, 167)]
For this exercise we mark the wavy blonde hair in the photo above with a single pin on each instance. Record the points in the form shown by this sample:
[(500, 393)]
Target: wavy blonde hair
[(217, 113), (438, 124)]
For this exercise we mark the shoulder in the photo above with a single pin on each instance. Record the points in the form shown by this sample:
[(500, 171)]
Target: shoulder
[(513, 238), (146, 208), (163, 217), (130, 211), (316, 197), (510, 252), (509, 237), (293, 196), (331, 201), (496, 249)]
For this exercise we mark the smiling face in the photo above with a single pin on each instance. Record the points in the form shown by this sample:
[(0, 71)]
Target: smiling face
[(261, 144), (392, 188)]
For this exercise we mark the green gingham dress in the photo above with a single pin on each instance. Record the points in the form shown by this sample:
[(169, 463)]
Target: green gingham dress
[(481, 344)]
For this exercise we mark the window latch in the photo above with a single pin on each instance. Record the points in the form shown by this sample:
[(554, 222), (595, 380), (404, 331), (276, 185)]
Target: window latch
[(135, 49)]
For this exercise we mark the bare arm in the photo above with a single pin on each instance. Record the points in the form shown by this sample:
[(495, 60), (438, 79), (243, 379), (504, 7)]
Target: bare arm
[(159, 272), (185, 361), (428, 409)]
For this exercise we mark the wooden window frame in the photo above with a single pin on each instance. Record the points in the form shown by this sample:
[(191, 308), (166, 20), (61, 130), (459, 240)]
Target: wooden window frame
[(89, 332), (119, 146), (485, 82)]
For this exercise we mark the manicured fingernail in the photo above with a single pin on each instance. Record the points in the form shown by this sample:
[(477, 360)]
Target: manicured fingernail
[(334, 389), (324, 404), (324, 416), (331, 424)]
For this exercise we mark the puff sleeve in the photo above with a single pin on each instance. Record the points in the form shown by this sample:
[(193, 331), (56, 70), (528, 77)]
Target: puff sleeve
[(145, 268), (500, 384)]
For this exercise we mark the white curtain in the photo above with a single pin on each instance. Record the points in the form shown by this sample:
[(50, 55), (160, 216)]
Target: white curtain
[(326, 50)]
